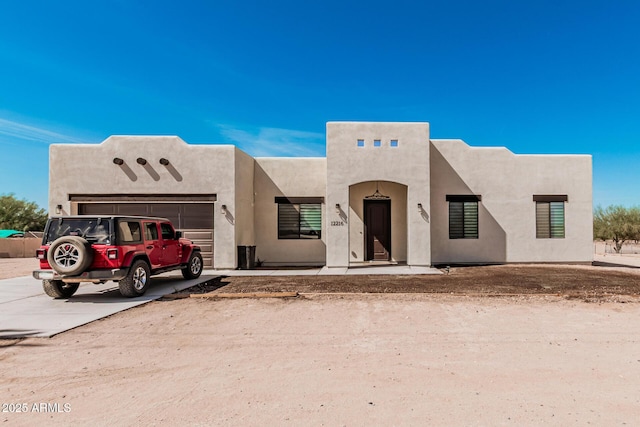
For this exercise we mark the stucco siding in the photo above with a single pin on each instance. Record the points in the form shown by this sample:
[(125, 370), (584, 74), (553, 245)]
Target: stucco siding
[(193, 169), (406, 164), (397, 162), (287, 177), (244, 200), (507, 184)]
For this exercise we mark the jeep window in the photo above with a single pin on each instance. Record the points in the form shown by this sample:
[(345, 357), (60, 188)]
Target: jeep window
[(150, 231), (94, 230), (167, 231), (129, 231)]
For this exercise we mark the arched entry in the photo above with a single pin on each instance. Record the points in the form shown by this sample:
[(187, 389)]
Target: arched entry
[(378, 222)]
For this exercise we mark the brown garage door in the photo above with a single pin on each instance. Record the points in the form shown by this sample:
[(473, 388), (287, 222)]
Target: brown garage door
[(195, 220)]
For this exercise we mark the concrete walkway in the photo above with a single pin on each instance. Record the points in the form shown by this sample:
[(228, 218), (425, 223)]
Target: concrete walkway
[(331, 271)]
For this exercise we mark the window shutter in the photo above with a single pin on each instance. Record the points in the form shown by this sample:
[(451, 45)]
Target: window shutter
[(288, 221), (556, 217), (542, 220), (456, 220), (310, 221), (471, 220)]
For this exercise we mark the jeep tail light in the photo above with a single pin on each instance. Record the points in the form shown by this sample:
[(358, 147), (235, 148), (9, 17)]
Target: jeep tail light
[(112, 253), (41, 254)]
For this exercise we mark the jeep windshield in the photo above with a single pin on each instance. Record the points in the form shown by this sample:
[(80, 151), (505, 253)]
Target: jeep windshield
[(94, 230)]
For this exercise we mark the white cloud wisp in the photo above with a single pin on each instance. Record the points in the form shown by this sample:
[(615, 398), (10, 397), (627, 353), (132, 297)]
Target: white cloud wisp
[(275, 142), (11, 130)]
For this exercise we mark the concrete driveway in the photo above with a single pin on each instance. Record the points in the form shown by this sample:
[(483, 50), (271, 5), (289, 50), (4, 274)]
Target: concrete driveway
[(26, 311)]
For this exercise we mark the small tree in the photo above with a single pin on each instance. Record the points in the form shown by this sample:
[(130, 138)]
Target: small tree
[(616, 223), (21, 214)]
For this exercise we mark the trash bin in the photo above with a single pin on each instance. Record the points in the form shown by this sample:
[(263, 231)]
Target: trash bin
[(246, 257)]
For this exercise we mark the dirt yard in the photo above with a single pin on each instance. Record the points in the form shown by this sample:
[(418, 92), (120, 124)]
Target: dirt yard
[(17, 267), (533, 353), (583, 282)]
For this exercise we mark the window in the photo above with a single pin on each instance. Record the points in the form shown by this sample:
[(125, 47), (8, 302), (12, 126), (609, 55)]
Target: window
[(393, 143), (94, 230), (376, 143), (463, 216), (150, 231), (129, 231), (550, 216), (361, 143), (299, 218), (167, 231)]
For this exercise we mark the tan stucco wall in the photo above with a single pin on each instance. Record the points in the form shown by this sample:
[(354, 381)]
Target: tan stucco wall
[(19, 247), (244, 209), (194, 169), (507, 183), (417, 171), (288, 177), (348, 164)]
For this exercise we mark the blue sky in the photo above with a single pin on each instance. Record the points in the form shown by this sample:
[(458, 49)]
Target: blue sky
[(536, 76)]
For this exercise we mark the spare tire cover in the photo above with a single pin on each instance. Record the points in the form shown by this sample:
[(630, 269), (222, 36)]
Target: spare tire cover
[(70, 255)]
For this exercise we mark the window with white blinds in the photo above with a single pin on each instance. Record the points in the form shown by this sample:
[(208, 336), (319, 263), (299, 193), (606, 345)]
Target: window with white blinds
[(299, 221), (463, 216), (550, 220)]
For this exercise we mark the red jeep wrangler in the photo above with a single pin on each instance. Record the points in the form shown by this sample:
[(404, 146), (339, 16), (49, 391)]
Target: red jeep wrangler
[(126, 249)]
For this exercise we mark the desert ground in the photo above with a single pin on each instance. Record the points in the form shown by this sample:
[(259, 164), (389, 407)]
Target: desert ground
[(501, 345)]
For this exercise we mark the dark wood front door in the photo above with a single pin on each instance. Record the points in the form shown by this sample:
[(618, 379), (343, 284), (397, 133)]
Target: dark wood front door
[(377, 225)]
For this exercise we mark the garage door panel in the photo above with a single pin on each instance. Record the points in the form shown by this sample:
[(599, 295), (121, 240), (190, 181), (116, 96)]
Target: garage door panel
[(98, 209), (132, 209), (197, 216), (198, 234), (166, 210), (204, 239)]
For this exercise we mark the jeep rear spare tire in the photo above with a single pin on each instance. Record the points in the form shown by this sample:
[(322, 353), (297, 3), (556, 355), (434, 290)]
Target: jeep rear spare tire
[(136, 281), (70, 255)]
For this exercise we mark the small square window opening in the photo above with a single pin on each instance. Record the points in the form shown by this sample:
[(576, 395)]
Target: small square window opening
[(376, 143), (361, 143), (394, 143)]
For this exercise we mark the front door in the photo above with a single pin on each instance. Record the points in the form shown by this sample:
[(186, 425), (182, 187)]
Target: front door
[(377, 225)]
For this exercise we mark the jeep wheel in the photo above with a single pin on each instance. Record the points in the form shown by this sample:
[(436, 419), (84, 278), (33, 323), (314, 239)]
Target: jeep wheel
[(58, 289), (135, 284), (193, 270), (70, 255)]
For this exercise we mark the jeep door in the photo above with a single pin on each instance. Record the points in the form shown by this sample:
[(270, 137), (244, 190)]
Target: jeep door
[(153, 244), (171, 248)]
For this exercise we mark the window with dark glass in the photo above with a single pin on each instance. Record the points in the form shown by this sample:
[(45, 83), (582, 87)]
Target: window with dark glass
[(299, 220), (463, 216), (550, 216), (167, 231)]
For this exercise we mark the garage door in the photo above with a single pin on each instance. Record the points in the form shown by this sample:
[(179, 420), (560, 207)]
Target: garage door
[(195, 220)]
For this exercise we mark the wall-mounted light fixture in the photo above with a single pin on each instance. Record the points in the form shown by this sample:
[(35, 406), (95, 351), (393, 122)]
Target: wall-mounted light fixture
[(337, 207), (419, 207), (164, 162), (223, 209), (118, 161), (141, 161), (58, 209)]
